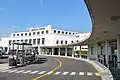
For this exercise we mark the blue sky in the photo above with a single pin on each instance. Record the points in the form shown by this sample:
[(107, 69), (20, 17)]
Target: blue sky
[(18, 15)]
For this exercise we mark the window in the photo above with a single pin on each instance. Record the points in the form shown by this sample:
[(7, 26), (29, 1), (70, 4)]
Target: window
[(62, 32), (21, 34), (54, 31), (71, 41), (30, 41), (33, 33), (58, 31), (13, 40), (77, 41), (17, 40), (42, 32), (17, 34), (47, 32), (77, 36), (69, 32), (26, 40), (25, 34), (43, 40), (13, 34), (38, 33), (73, 33), (61, 42), (34, 41), (57, 42), (38, 41), (65, 42), (9, 42), (21, 40), (29, 34), (66, 33)]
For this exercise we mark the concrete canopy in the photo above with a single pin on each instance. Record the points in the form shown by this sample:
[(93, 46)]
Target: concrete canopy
[(105, 17)]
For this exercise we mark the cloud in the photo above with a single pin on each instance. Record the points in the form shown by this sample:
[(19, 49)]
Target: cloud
[(15, 27)]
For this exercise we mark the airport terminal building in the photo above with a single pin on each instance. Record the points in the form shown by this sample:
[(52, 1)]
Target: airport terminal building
[(48, 40)]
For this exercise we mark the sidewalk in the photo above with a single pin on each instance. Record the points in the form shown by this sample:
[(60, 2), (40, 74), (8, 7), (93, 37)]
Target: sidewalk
[(4, 66)]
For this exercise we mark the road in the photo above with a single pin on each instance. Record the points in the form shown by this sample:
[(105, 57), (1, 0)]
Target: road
[(52, 68)]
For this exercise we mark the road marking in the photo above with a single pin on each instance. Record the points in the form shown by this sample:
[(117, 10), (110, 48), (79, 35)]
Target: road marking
[(20, 71), (65, 73), (27, 72), (42, 72), (81, 73), (89, 74), (60, 64), (34, 72), (73, 73), (57, 73), (49, 72), (12, 71), (6, 70)]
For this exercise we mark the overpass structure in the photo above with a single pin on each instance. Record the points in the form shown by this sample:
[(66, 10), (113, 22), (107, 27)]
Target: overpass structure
[(104, 42)]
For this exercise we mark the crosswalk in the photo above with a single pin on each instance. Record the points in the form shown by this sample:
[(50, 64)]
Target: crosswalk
[(51, 72)]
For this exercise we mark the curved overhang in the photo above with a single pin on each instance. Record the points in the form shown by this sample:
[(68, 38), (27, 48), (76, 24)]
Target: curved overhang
[(105, 17)]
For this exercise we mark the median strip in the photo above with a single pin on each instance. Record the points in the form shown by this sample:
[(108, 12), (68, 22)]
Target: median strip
[(60, 64)]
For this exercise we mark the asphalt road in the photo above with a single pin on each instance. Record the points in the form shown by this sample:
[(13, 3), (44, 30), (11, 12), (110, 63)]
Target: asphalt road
[(52, 68)]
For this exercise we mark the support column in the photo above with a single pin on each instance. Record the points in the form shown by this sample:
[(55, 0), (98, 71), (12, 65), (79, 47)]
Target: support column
[(118, 50), (39, 50), (96, 51), (89, 52), (65, 51), (80, 52), (73, 52), (52, 51), (106, 52), (59, 51)]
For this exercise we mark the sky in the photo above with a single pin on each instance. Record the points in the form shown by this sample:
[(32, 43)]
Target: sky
[(19, 15)]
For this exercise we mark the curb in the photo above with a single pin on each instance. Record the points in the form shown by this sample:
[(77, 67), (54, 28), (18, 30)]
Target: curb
[(105, 74)]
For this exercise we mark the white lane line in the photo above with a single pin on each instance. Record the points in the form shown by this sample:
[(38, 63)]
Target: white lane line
[(73, 73), (34, 72), (57, 73), (6, 70), (12, 71), (89, 74), (65, 73), (81, 73), (42, 72), (96, 74), (26, 72), (49, 72), (20, 71)]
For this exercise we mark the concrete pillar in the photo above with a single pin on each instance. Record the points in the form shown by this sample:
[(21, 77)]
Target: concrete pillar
[(52, 51), (39, 50), (89, 52), (59, 51), (80, 52), (106, 52), (65, 51), (96, 51), (118, 50), (73, 52)]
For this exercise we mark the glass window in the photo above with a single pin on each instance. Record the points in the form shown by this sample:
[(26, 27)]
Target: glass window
[(34, 41), (30, 41), (21, 34), (62, 32), (54, 31), (61, 42), (13, 34), (38, 41), (17, 40), (25, 34), (17, 34), (42, 32), (9, 42), (26, 40), (69, 32), (33, 33), (58, 31), (47, 32), (66, 32), (38, 33), (71, 41), (73, 33), (29, 34), (43, 40), (77, 41), (65, 42), (57, 42), (13, 40)]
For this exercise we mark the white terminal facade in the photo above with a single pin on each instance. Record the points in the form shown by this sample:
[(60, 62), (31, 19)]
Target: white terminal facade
[(48, 40)]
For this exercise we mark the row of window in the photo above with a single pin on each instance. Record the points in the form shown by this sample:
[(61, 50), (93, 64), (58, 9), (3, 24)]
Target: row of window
[(63, 32), (31, 41), (33, 33), (61, 42)]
